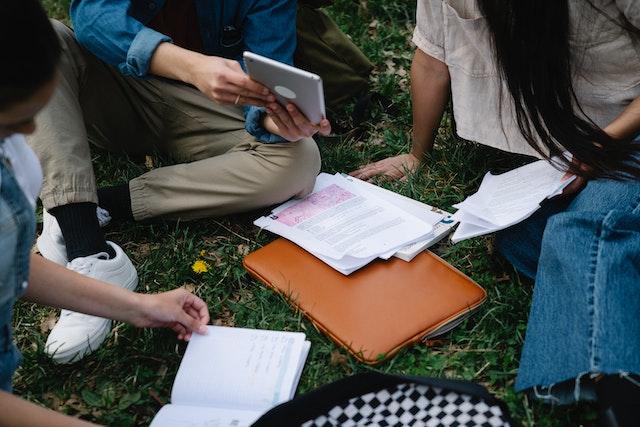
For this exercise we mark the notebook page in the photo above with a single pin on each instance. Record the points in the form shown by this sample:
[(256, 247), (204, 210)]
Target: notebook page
[(238, 368), (198, 416), (303, 357)]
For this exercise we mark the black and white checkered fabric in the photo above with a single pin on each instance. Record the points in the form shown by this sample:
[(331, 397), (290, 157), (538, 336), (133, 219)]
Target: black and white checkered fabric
[(412, 405)]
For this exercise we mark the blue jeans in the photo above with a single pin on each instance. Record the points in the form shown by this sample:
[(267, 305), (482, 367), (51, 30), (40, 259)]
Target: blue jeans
[(9, 355), (584, 255), (17, 229)]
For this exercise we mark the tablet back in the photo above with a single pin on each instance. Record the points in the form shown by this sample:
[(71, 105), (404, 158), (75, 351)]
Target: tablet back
[(289, 84)]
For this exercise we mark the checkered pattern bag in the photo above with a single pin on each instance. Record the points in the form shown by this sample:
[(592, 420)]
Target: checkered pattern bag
[(383, 400)]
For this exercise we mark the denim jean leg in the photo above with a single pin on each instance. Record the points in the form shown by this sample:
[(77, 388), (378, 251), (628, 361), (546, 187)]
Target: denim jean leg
[(584, 316), (9, 354), (520, 244)]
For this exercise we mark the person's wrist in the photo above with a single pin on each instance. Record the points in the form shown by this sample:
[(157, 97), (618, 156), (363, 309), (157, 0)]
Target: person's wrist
[(269, 125), (614, 132), (416, 156), (138, 310), (192, 68)]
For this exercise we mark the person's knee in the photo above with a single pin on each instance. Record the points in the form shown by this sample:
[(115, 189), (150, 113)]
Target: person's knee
[(295, 173), (300, 170), (307, 166)]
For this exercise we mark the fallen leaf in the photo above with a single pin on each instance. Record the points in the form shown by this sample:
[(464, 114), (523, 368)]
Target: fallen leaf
[(373, 28), (244, 249), (225, 318), (435, 343), (149, 163), (48, 323), (215, 258), (53, 401), (338, 359), (77, 405)]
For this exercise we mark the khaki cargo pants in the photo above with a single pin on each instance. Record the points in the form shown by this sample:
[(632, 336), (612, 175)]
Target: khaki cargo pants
[(220, 168)]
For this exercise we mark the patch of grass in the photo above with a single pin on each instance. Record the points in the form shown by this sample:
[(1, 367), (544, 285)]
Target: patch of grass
[(129, 378)]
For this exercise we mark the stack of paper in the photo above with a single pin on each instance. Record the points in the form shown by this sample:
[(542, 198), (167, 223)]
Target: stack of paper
[(507, 199), (348, 223), (442, 221)]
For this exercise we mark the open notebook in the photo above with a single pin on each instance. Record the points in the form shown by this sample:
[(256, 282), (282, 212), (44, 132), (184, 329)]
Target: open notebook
[(231, 376)]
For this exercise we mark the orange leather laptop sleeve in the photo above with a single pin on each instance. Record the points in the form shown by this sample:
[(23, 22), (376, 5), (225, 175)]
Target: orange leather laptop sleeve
[(375, 311)]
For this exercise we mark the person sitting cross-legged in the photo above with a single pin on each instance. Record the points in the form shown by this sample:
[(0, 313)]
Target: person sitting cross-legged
[(140, 77)]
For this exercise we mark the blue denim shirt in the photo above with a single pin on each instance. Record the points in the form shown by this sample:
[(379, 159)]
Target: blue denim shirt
[(17, 230), (115, 31)]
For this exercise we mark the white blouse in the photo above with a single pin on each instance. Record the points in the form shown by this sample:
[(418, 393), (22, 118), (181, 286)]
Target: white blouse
[(26, 166), (606, 63)]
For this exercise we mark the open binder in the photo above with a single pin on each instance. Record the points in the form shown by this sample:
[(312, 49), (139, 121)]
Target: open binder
[(375, 311)]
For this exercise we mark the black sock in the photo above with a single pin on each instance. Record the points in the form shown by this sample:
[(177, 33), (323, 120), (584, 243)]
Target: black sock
[(116, 200), (81, 230), (618, 399)]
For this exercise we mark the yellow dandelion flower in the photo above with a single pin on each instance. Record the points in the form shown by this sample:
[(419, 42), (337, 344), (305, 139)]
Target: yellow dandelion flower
[(200, 267)]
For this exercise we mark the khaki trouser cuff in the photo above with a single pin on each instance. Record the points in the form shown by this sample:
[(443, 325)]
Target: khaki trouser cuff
[(138, 206), (61, 198)]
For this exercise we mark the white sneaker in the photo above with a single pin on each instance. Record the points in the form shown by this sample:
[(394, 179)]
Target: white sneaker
[(51, 243), (77, 335)]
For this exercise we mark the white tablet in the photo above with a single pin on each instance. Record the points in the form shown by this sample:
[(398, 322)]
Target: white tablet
[(289, 84)]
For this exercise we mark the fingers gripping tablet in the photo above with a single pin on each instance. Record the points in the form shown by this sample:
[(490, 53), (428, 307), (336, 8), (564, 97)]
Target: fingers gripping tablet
[(289, 84)]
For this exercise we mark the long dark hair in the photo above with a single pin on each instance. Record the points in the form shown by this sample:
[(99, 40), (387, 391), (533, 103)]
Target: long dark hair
[(30, 50), (531, 42)]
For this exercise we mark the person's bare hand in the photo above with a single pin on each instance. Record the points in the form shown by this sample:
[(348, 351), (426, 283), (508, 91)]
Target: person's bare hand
[(289, 123), (223, 81), (579, 182), (397, 167), (178, 309)]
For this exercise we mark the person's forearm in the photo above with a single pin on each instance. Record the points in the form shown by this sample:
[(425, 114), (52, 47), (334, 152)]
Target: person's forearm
[(173, 62), (19, 412), (56, 286), (430, 93), (627, 124)]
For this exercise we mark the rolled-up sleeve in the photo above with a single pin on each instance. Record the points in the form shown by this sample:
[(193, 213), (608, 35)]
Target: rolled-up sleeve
[(106, 29), (428, 35), (269, 30)]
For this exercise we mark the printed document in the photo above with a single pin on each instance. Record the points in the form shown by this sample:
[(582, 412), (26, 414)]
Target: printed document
[(339, 219), (441, 221), (507, 199)]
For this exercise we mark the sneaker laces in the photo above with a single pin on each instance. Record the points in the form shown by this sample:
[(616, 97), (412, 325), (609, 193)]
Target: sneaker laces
[(84, 265)]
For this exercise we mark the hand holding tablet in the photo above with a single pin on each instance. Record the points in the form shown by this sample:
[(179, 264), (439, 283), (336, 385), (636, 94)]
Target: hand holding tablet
[(299, 111)]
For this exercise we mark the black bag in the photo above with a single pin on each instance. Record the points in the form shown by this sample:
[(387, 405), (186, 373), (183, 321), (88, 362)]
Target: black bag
[(325, 50), (374, 399)]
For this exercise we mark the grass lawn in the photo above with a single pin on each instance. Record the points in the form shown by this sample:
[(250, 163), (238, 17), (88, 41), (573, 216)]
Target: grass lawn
[(129, 378)]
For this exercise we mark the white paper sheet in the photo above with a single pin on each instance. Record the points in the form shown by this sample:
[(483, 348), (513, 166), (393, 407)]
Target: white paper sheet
[(507, 199), (198, 416), (340, 219), (426, 213), (236, 368)]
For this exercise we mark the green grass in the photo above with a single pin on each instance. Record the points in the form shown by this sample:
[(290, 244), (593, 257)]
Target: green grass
[(129, 378)]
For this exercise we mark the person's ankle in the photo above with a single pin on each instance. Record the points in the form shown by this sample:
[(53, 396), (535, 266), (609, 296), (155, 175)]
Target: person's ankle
[(117, 200), (81, 230)]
